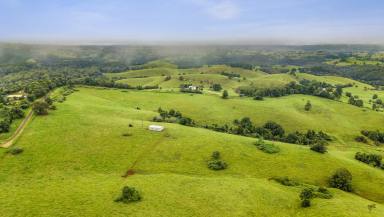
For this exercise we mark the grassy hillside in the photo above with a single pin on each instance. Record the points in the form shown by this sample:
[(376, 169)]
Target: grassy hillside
[(204, 76), (339, 119), (74, 158)]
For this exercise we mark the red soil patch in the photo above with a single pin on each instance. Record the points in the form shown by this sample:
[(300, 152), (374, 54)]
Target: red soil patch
[(129, 172)]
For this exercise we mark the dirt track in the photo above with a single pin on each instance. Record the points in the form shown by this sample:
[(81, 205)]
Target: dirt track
[(18, 131)]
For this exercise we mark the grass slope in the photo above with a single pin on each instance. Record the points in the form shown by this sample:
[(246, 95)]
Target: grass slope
[(74, 159)]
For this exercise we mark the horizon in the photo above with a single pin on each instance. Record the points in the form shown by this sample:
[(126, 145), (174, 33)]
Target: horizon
[(291, 22)]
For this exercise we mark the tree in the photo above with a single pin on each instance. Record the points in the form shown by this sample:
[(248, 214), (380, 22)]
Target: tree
[(348, 94), (276, 129), (339, 91), (217, 87), (374, 96), (341, 179), (48, 100), (40, 108), (225, 94), (308, 106), (5, 125), (16, 113), (129, 194), (215, 163)]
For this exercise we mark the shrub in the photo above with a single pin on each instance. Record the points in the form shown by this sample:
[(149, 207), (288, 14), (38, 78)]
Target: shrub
[(167, 78), (305, 196), (266, 147), (129, 194), (306, 193), (375, 136), (323, 193), (215, 155), (341, 179), (15, 151), (126, 134), (258, 98), (361, 139), (285, 181), (305, 203), (215, 163), (308, 106), (216, 87), (371, 159), (225, 94), (319, 147)]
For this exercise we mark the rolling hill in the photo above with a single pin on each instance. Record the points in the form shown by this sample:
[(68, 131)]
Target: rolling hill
[(74, 158)]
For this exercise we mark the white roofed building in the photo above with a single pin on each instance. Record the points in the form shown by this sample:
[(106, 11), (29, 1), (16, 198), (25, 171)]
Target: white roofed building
[(156, 128)]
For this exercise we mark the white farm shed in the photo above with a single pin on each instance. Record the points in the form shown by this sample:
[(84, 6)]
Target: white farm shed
[(156, 128)]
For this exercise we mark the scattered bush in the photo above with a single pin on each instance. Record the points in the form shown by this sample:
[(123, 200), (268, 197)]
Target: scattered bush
[(319, 147), (167, 78), (216, 87), (371, 159), (285, 181), (308, 106), (231, 75), (225, 94), (215, 155), (126, 134), (306, 193), (323, 193), (266, 147), (129, 194), (260, 98), (173, 116), (361, 139), (341, 179), (355, 101), (305, 203), (371, 207), (375, 136), (305, 196), (15, 151), (215, 163)]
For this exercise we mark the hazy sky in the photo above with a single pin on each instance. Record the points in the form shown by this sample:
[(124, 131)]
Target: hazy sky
[(274, 21)]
